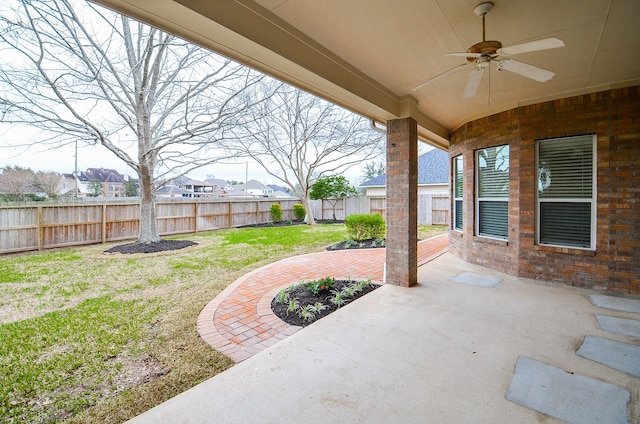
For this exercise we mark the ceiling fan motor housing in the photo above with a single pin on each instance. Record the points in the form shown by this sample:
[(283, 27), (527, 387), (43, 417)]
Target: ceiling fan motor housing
[(485, 48)]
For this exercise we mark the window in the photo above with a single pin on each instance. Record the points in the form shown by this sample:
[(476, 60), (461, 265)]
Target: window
[(457, 192), (492, 209), (566, 202)]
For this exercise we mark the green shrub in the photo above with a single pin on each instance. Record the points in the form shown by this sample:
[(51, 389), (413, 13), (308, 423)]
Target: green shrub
[(365, 226), (276, 212), (299, 212)]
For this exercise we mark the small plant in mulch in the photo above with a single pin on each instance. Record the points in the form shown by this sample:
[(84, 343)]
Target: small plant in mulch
[(363, 244), (307, 302), (317, 286)]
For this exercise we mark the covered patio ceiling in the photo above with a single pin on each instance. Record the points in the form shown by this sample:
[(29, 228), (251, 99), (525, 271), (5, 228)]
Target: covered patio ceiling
[(368, 55)]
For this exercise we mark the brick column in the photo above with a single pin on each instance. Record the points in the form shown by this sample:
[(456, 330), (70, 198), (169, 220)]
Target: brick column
[(402, 202)]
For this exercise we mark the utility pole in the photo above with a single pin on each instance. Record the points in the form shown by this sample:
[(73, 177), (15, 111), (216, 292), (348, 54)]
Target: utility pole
[(76, 171)]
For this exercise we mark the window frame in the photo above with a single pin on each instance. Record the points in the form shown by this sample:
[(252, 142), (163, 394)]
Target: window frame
[(478, 200), (592, 201), (459, 158)]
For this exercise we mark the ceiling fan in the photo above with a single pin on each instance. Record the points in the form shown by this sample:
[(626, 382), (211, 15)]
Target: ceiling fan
[(480, 55)]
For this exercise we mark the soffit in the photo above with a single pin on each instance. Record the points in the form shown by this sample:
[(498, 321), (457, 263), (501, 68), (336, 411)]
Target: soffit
[(367, 55)]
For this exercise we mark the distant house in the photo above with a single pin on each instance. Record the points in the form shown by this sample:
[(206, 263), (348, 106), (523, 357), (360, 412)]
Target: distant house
[(255, 188), (433, 176), (172, 191), (219, 185), (112, 181), (194, 188), (280, 192), (217, 188), (69, 185)]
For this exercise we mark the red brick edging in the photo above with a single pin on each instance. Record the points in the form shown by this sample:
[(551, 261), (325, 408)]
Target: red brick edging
[(239, 322)]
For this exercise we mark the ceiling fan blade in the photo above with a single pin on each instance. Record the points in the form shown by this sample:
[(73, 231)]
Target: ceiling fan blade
[(474, 82), (524, 69), (450, 71), (533, 46)]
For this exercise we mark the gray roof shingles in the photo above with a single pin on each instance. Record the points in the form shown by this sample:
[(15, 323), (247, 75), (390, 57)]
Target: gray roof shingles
[(433, 168)]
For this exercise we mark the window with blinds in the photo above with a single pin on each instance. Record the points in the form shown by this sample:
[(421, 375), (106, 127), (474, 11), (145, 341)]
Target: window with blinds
[(492, 177), (457, 192), (566, 202)]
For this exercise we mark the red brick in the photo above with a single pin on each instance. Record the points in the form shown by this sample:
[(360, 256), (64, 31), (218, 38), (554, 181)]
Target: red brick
[(613, 116)]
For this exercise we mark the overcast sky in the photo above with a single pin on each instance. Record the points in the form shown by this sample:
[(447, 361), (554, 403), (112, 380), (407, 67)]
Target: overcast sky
[(62, 159)]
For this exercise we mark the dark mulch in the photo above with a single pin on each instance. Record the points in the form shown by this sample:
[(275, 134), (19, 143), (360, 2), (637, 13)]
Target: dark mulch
[(350, 244), (306, 297), (290, 223), (161, 246)]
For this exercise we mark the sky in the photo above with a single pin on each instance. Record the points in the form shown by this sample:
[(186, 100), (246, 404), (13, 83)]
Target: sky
[(62, 159)]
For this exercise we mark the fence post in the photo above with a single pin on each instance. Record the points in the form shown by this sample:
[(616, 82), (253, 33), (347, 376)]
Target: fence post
[(40, 228), (229, 215), (195, 217), (104, 223), (257, 211)]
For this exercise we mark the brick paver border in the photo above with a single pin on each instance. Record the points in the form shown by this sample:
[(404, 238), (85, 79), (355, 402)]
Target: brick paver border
[(239, 322)]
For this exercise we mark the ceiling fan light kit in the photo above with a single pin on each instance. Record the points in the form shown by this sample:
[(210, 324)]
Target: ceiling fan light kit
[(481, 54)]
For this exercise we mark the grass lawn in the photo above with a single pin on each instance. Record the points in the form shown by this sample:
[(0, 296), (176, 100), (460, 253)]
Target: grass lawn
[(92, 338), (428, 231), (89, 337)]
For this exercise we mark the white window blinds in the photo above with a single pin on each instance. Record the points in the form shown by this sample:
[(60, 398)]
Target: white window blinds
[(493, 192), (458, 191), (566, 194)]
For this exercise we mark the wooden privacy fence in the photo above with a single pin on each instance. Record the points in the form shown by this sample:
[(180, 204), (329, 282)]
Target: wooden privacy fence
[(433, 209), (45, 226), (323, 209)]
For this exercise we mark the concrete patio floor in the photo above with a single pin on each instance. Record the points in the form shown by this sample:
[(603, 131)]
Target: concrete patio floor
[(441, 352)]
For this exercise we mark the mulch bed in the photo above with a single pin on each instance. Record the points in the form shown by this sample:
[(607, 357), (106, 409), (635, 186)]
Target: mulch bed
[(161, 246), (290, 223), (301, 293), (351, 245), (306, 297)]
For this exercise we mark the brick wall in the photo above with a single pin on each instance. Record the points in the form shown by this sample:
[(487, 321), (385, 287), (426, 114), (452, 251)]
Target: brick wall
[(614, 116)]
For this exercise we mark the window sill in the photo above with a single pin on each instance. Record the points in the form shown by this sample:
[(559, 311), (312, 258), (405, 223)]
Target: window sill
[(564, 250), (488, 240)]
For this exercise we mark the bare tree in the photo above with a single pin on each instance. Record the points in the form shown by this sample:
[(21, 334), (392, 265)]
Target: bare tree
[(89, 75), (48, 182), (16, 181), (297, 138)]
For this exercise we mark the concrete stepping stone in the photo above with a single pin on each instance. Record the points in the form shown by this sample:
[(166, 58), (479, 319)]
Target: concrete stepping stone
[(476, 279), (621, 356), (626, 327), (617, 303), (574, 398)]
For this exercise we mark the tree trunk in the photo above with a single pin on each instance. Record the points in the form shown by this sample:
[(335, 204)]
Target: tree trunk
[(333, 207), (307, 207), (148, 225)]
